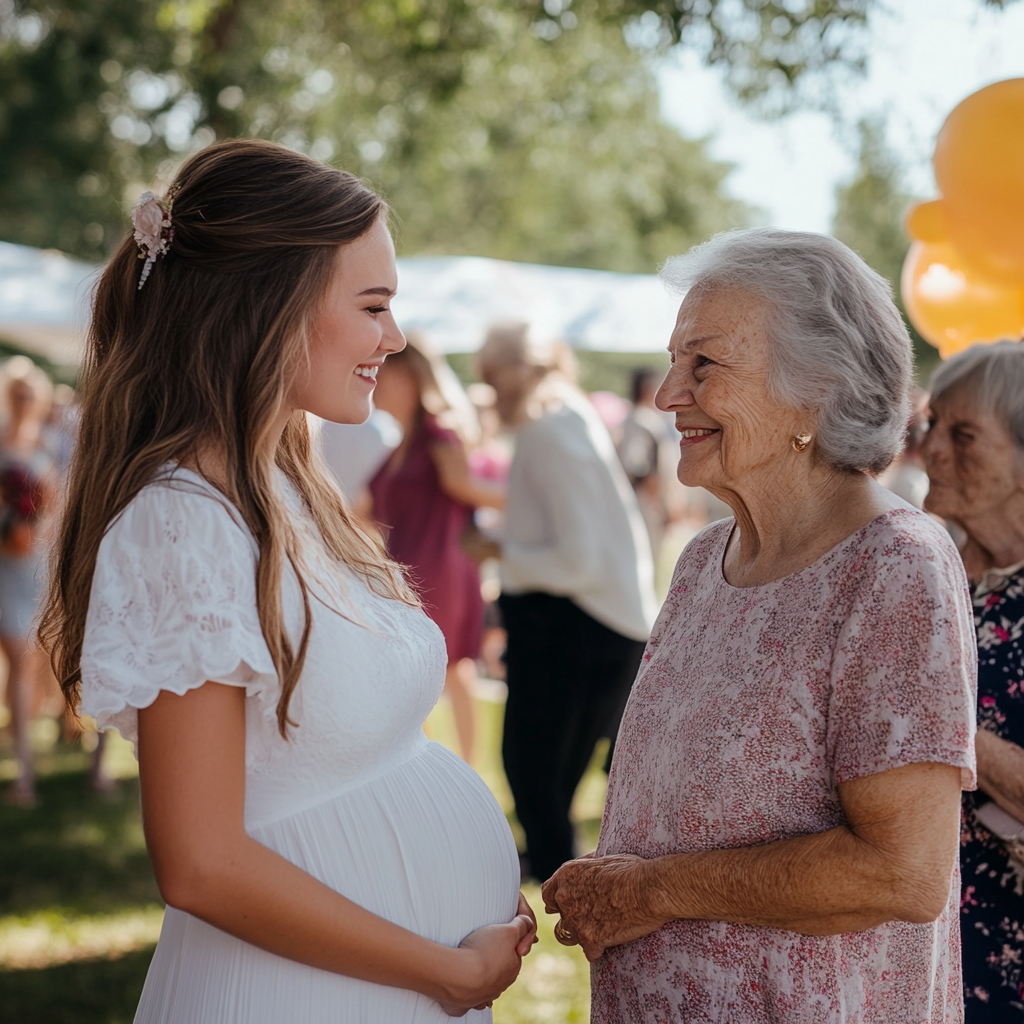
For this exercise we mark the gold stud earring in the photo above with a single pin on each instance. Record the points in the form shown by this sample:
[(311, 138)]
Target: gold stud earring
[(800, 442)]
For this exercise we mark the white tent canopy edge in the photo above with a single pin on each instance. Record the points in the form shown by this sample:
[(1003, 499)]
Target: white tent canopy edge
[(44, 303)]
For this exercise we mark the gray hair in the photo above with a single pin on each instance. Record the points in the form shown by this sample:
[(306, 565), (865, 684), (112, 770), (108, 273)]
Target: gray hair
[(837, 343), (994, 375)]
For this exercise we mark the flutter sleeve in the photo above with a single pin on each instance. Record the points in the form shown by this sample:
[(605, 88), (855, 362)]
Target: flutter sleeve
[(172, 605), (904, 672)]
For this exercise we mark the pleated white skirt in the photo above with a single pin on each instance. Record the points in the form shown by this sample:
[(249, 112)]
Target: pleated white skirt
[(424, 845)]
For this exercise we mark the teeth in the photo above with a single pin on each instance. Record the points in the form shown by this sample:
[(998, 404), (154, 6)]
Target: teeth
[(369, 372), (695, 433)]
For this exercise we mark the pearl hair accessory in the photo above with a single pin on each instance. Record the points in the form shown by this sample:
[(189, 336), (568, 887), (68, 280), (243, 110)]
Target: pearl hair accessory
[(151, 219)]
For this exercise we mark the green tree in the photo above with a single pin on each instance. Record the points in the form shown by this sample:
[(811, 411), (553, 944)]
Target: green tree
[(869, 215), (62, 167), (550, 152), (776, 54), (488, 133), (524, 128)]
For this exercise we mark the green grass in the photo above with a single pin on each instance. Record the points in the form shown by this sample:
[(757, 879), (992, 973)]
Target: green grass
[(80, 912)]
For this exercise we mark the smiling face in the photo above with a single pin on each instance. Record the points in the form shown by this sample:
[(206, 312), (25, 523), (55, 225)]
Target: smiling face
[(353, 331), (973, 466), (732, 429)]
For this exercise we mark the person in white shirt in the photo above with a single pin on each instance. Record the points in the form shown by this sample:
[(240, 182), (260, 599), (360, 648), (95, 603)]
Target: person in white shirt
[(577, 584), (355, 451)]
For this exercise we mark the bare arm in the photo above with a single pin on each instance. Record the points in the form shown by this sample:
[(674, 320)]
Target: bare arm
[(1001, 771), (192, 771), (457, 481), (893, 860)]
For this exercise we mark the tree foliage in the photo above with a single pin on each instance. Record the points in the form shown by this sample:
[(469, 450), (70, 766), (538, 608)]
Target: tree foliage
[(869, 215), (520, 128), (776, 54), (488, 134)]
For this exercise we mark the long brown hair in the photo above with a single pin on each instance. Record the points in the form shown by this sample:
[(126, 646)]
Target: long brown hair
[(202, 357)]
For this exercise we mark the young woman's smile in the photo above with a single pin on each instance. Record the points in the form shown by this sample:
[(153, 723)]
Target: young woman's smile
[(354, 332)]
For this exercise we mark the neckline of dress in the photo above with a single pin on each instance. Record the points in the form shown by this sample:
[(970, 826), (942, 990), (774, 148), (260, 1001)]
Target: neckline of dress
[(720, 561), (170, 469)]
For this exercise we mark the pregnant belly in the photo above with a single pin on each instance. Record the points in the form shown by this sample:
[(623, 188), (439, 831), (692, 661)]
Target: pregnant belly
[(424, 845)]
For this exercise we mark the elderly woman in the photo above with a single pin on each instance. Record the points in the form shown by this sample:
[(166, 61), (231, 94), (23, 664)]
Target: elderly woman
[(780, 837), (974, 454)]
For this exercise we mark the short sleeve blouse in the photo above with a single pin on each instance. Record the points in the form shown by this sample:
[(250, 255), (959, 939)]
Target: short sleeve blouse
[(172, 605), (753, 705)]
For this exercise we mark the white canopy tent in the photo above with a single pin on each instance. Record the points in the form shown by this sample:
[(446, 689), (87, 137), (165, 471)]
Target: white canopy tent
[(454, 299), (44, 303)]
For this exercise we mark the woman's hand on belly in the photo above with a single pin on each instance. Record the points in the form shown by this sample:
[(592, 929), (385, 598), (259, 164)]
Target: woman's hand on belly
[(486, 963), (602, 902), (525, 910)]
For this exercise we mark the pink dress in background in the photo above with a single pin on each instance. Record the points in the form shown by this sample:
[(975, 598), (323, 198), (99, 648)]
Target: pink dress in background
[(421, 527), (751, 707)]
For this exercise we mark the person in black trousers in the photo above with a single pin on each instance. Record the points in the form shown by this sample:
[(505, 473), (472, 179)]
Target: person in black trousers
[(577, 593)]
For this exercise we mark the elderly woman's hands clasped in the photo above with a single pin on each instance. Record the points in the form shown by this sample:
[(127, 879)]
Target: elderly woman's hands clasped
[(603, 902)]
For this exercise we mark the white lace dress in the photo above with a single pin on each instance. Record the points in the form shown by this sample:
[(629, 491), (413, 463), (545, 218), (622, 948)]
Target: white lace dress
[(357, 796)]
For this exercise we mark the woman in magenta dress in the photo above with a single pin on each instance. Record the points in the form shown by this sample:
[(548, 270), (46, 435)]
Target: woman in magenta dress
[(423, 499)]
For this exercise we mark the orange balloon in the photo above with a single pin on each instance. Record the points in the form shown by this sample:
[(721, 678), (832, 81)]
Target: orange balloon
[(952, 306), (928, 222), (979, 167)]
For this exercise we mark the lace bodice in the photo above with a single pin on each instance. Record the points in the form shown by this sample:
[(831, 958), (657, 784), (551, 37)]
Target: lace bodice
[(173, 604)]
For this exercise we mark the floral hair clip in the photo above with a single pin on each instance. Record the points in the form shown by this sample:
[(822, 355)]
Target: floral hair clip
[(152, 221)]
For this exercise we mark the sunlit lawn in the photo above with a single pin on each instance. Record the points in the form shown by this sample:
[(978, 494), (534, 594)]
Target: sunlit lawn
[(80, 913)]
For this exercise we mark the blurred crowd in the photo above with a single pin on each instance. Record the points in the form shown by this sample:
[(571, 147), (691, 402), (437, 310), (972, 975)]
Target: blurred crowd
[(37, 437)]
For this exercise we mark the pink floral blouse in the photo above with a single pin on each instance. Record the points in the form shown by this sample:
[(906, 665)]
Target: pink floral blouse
[(751, 707)]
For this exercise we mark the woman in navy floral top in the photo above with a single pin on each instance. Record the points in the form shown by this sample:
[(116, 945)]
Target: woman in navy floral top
[(974, 454)]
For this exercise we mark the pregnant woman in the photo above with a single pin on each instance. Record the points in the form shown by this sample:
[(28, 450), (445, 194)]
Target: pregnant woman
[(214, 601)]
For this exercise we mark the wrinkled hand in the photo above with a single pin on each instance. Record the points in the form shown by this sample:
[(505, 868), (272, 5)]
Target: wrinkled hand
[(488, 961), (603, 902)]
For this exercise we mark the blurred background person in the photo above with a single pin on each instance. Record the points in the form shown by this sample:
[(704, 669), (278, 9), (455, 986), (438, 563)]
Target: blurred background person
[(423, 499), (974, 455), (641, 447), (491, 455), (576, 579), (490, 459), (28, 488), (60, 431), (354, 452)]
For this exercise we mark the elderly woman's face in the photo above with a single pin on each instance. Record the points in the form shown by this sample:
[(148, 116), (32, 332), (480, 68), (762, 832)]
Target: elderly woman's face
[(973, 466), (717, 389)]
